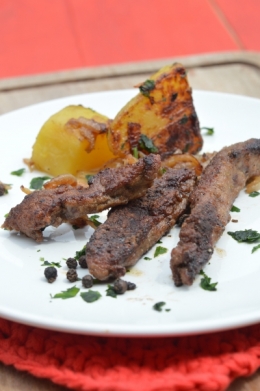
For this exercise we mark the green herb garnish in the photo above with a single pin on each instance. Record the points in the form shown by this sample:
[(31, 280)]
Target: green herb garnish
[(159, 251), (147, 144), (37, 183), (209, 131), (255, 248), (147, 87), (68, 294), (94, 220), (18, 172), (254, 194), (47, 263), (206, 283), (135, 152), (90, 296), (158, 306), (147, 259), (247, 236), (111, 292), (80, 253), (234, 209), (89, 177)]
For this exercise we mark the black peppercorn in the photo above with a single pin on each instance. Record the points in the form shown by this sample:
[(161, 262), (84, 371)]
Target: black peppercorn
[(87, 281), (120, 286), (72, 263), (50, 273), (72, 275), (83, 262), (130, 286)]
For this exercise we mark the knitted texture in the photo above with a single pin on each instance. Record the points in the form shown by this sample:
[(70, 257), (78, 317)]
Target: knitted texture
[(205, 363)]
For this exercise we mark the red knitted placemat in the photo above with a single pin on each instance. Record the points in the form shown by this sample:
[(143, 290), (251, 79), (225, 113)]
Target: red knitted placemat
[(206, 362)]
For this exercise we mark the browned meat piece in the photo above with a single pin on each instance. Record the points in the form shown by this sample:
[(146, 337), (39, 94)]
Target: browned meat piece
[(131, 230), (210, 204), (66, 203)]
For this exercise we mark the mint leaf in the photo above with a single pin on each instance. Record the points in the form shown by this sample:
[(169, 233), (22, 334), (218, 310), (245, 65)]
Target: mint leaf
[(158, 306), (37, 183), (80, 253), (111, 292), (147, 87), (255, 248), (254, 194), (94, 220), (18, 172), (206, 283), (159, 251), (68, 294), (90, 296), (247, 236), (234, 209), (209, 131), (147, 144)]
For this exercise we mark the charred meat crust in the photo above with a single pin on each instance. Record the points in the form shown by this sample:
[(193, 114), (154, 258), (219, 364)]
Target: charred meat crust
[(110, 187), (210, 204), (131, 230)]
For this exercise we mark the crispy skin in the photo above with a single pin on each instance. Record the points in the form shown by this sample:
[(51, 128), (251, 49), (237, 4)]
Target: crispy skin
[(210, 204), (71, 204), (131, 230)]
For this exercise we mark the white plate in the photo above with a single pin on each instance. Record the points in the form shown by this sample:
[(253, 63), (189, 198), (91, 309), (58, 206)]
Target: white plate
[(25, 294)]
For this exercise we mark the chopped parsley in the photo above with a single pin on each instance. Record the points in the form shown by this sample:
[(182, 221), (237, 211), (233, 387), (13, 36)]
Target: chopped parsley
[(90, 296), (158, 306), (234, 209), (147, 144), (111, 292), (206, 283), (209, 131), (18, 172), (254, 194), (255, 248), (47, 263), (159, 251), (94, 220), (135, 152), (68, 294), (89, 177), (37, 183), (80, 253), (147, 259), (147, 87), (163, 170), (246, 236)]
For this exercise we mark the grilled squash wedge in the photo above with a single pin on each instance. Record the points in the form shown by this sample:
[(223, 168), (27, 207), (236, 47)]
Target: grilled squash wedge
[(160, 118), (72, 140)]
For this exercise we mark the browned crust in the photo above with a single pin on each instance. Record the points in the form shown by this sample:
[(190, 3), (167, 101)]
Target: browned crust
[(210, 203), (131, 230), (110, 187)]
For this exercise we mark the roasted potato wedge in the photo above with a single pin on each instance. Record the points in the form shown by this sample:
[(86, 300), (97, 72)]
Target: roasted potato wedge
[(72, 140), (163, 111)]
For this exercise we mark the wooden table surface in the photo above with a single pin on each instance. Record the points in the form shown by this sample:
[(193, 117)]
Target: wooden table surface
[(237, 72)]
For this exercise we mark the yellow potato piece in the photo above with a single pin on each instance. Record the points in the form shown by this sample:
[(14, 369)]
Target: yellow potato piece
[(67, 145), (163, 111)]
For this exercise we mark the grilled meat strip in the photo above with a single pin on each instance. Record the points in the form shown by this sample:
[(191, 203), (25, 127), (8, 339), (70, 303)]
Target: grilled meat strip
[(210, 204), (131, 230), (66, 203)]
